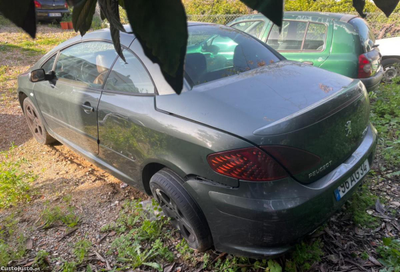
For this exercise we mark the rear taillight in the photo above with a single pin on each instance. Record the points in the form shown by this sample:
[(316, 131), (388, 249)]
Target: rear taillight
[(364, 67), (251, 164), (293, 159), (66, 5), (37, 4)]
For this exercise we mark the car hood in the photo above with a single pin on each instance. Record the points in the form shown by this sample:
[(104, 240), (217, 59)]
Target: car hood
[(244, 103)]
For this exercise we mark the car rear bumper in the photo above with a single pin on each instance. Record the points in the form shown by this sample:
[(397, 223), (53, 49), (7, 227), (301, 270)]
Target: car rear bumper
[(267, 218), (371, 83), (44, 14)]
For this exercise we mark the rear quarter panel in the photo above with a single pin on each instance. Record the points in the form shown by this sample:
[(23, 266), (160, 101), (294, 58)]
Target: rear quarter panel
[(344, 51)]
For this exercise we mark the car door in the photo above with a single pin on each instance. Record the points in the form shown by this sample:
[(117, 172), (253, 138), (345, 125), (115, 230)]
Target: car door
[(125, 118), (69, 103), (301, 41)]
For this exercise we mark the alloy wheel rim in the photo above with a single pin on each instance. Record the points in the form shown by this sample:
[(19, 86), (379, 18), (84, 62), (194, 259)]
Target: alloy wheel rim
[(390, 73), (34, 122), (178, 219)]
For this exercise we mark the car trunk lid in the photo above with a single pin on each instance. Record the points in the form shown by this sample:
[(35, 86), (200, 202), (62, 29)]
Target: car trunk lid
[(284, 104), (52, 4)]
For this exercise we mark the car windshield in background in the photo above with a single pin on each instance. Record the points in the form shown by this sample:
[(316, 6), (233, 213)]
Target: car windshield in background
[(215, 52)]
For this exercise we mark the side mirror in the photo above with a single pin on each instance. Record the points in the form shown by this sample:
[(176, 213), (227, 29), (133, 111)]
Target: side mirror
[(40, 75)]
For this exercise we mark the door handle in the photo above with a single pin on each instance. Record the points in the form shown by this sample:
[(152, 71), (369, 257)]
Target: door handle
[(87, 108)]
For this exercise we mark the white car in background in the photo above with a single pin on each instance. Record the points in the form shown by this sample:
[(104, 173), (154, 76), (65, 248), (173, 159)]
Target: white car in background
[(390, 50)]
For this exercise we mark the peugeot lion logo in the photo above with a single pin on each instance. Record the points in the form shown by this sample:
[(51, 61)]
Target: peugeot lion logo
[(348, 128)]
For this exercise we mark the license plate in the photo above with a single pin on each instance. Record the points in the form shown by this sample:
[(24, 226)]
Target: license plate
[(345, 187), (55, 14)]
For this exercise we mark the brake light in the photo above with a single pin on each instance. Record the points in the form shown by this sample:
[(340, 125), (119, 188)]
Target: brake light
[(364, 67), (37, 4), (66, 5), (251, 164), (293, 159)]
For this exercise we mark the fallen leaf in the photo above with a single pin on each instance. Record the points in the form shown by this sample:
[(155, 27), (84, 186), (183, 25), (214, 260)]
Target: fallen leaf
[(379, 207)]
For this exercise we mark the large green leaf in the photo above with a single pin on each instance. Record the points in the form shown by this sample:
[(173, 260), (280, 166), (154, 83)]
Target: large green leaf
[(82, 14), (22, 13), (387, 6), (161, 28), (359, 6), (272, 9)]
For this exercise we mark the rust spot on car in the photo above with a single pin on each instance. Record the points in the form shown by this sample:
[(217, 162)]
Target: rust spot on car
[(325, 88)]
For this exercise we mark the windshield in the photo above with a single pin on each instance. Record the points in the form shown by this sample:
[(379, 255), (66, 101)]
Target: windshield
[(215, 52)]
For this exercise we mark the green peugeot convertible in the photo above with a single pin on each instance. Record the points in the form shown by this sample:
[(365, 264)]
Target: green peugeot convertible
[(340, 43), (255, 153)]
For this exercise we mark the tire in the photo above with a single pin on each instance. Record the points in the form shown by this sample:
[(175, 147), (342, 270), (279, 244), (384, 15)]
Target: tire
[(35, 123), (392, 69), (177, 204)]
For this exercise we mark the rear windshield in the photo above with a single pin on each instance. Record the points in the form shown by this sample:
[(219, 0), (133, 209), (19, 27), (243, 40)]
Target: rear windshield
[(367, 38), (215, 52)]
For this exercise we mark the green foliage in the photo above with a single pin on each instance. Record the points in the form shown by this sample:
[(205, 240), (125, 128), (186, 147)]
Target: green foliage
[(129, 250), (68, 267), (390, 253), (57, 214), (197, 7), (12, 243), (362, 200), (142, 241), (14, 183), (304, 256), (183, 248), (40, 259), (342, 6), (81, 249), (385, 116)]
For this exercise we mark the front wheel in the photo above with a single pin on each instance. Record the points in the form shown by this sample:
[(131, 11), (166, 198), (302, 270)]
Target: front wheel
[(35, 123), (183, 211), (392, 69)]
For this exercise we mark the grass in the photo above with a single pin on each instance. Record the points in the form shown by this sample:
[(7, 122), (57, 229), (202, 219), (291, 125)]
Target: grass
[(390, 253), (362, 200), (12, 243), (81, 249), (385, 116), (53, 215), (14, 183)]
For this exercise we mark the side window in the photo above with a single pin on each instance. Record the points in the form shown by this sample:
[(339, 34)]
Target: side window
[(291, 37), (48, 66), (315, 38), (243, 26), (129, 77), (253, 28), (256, 29), (87, 62)]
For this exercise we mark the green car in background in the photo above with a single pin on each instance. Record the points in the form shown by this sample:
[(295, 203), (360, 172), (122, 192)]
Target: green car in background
[(340, 43)]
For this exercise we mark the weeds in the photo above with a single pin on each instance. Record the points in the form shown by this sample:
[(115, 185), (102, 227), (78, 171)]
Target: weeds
[(12, 243), (14, 183), (56, 215), (390, 253), (304, 256), (81, 249), (68, 267), (41, 260), (358, 205)]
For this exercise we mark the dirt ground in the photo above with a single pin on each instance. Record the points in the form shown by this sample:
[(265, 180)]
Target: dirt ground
[(67, 179)]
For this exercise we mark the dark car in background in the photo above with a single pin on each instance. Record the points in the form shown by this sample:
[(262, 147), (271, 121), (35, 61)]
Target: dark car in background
[(49, 10), (340, 43), (256, 152)]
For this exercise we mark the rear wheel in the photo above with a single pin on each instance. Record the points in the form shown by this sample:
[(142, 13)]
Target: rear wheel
[(392, 69), (35, 123), (183, 211)]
